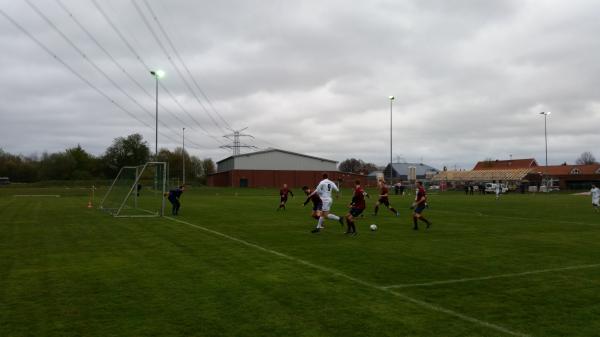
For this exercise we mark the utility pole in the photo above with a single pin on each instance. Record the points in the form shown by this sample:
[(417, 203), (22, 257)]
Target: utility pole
[(391, 167), (183, 157)]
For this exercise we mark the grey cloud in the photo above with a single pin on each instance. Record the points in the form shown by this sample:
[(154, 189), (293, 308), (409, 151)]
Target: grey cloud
[(470, 77)]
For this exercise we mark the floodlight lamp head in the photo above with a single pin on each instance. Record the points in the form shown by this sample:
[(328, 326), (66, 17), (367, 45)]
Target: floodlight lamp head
[(157, 73), (547, 113), (391, 98)]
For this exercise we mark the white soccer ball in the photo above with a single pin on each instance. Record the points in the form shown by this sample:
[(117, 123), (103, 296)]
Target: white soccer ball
[(373, 227)]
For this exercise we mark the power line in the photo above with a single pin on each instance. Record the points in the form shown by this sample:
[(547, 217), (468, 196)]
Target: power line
[(139, 58), (92, 63), (117, 64), (114, 61), (73, 71), (186, 112), (162, 47), (160, 26), (77, 74)]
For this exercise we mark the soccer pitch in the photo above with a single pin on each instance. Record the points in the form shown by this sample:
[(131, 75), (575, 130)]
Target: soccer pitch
[(230, 265)]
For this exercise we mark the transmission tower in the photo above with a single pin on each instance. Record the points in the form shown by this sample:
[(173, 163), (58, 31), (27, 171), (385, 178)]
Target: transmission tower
[(236, 144)]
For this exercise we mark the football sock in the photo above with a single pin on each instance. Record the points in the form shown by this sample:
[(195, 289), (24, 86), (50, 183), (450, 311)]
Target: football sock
[(415, 221), (333, 217), (320, 222), (426, 221), (376, 210), (393, 210)]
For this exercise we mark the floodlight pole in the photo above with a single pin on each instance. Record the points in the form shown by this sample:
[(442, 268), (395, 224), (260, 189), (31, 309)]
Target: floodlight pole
[(157, 75), (183, 157), (545, 113), (391, 168)]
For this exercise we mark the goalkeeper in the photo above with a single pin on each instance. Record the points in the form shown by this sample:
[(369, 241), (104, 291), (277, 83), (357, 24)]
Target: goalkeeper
[(173, 197)]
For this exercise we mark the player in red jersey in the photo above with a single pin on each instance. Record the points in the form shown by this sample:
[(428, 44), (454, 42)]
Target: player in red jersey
[(357, 206), (384, 198), (419, 206), (316, 200), (283, 194)]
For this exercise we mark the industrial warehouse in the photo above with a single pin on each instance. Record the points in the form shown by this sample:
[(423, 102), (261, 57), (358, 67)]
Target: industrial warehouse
[(275, 167)]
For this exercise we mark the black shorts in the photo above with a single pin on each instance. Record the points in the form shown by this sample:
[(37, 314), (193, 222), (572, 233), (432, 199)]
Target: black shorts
[(317, 207), (356, 211), (384, 201), (284, 200)]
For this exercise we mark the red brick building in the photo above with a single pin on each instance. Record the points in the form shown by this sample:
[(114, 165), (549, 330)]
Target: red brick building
[(516, 172), (568, 176), (274, 167)]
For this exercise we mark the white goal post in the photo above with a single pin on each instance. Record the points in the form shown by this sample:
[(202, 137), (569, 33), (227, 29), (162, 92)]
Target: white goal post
[(137, 191)]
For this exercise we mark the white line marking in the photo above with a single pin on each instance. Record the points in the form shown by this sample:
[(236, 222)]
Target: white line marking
[(37, 195), (334, 272), (469, 279)]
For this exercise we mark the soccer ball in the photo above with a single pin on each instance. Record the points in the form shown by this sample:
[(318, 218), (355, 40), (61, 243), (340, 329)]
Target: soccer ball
[(373, 227)]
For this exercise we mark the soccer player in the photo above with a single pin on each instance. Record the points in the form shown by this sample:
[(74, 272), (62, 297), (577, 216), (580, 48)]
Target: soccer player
[(324, 191), (498, 187), (173, 196), (595, 192), (316, 200), (357, 206), (384, 198), (283, 194), (419, 206)]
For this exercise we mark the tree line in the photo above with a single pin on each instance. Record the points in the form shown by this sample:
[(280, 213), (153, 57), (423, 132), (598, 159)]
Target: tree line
[(353, 165), (77, 164)]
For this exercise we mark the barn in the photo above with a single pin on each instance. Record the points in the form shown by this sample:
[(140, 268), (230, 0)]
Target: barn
[(274, 167)]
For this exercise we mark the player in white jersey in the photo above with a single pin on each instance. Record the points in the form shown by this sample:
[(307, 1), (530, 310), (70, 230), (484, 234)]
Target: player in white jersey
[(498, 190), (595, 192), (324, 190)]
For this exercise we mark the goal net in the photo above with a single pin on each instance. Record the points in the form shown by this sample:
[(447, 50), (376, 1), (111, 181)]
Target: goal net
[(137, 191)]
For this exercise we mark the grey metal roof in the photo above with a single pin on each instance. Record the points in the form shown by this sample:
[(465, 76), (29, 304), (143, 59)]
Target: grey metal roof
[(402, 168), (374, 173), (277, 150)]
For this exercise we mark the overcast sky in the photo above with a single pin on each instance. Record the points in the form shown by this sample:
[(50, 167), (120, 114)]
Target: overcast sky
[(470, 77)]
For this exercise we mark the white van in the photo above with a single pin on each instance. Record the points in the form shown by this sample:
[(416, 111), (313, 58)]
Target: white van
[(491, 188)]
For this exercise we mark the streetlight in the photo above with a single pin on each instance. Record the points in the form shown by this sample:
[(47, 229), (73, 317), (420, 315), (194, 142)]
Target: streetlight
[(158, 74), (546, 114), (183, 157), (391, 168)]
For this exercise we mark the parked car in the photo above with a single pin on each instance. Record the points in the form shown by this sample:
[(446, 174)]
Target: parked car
[(491, 188)]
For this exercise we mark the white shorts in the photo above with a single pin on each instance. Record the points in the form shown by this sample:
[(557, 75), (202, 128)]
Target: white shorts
[(326, 204), (595, 202)]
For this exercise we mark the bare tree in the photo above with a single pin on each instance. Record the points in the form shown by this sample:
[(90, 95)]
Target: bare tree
[(586, 158)]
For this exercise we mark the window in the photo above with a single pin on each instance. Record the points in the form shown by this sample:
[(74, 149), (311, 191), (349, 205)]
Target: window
[(575, 171)]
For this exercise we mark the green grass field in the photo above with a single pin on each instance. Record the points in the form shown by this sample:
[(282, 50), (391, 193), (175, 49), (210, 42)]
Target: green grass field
[(230, 265)]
